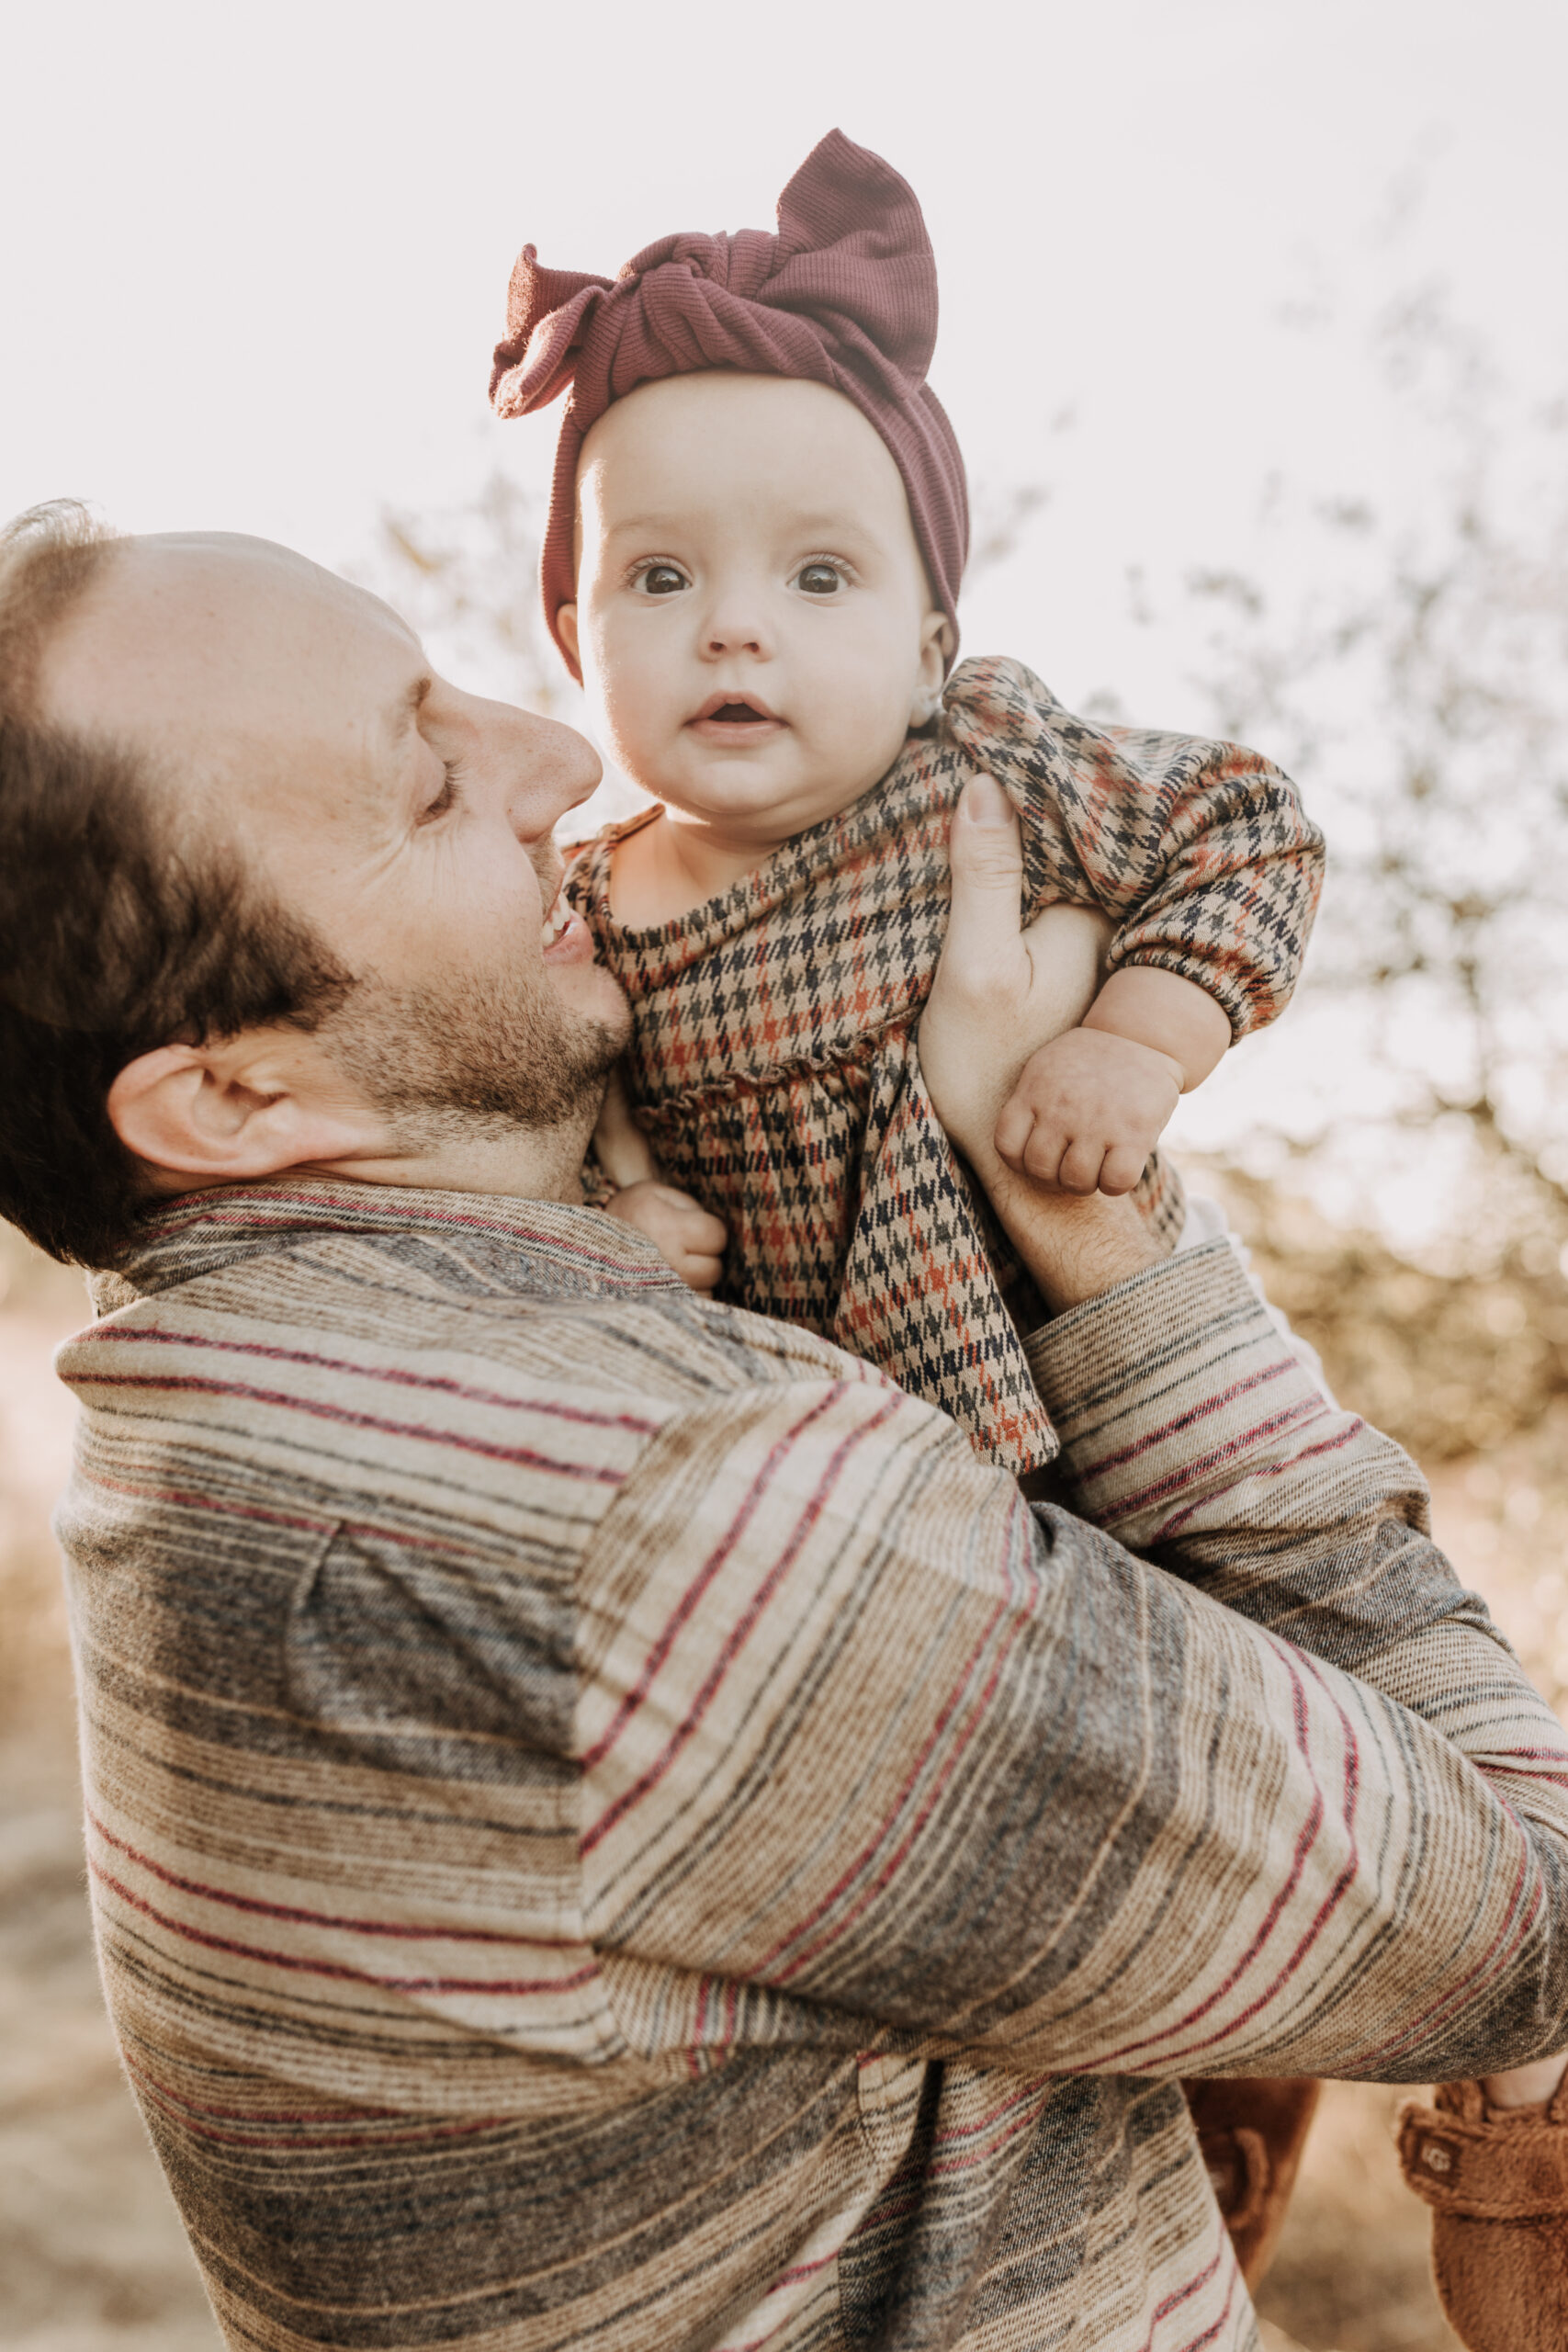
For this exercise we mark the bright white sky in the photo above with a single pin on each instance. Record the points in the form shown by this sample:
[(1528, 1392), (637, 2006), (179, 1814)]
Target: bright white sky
[(254, 260)]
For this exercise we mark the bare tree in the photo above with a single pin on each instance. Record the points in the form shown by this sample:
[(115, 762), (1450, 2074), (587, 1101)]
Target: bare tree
[(466, 577), (1419, 692)]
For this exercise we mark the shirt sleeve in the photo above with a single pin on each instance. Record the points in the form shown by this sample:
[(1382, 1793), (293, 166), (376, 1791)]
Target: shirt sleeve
[(1200, 851), (868, 1744)]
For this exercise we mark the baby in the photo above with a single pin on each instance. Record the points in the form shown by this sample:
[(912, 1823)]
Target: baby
[(756, 538)]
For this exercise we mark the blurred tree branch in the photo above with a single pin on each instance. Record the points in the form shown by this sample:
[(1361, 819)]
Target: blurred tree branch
[(1420, 693), (466, 577)]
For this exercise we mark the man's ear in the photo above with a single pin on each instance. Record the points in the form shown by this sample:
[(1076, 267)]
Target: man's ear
[(231, 1112), (566, 622), (936, 652)]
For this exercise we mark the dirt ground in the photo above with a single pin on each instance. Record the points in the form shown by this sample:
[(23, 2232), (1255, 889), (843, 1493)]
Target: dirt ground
[(91, 2255)]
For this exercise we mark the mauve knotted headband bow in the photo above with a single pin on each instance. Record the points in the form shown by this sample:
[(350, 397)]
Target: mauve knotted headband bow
[(845, 295)]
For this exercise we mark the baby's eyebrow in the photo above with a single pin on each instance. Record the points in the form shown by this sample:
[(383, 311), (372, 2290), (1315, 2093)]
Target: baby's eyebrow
[(644, 526), (815, 524), (826, 525)]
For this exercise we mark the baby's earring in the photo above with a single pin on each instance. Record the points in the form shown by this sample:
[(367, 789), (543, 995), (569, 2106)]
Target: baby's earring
[(926, 705)]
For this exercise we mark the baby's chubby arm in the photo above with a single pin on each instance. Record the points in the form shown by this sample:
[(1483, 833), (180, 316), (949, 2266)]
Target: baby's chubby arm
[(687, 1238), (1090, 1104)]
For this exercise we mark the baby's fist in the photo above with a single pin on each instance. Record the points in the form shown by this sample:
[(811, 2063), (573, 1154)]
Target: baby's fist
[(1086, 1111), (679, 1228)]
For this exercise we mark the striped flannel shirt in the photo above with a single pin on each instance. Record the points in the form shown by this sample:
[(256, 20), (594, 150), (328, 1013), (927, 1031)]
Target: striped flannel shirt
[(610, 1827)]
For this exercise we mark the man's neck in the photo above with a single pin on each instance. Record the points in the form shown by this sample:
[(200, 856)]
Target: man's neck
[(534, 1164)]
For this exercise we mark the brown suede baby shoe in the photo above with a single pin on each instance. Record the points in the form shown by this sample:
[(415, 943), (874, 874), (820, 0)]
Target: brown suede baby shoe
[(1251, 2133), (1496, 2179)]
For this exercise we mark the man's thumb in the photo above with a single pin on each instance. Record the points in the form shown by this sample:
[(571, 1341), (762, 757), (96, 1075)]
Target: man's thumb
[(987, 866)]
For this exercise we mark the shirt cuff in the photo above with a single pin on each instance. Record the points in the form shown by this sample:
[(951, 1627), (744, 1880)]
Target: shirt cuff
[(1167, 1389)]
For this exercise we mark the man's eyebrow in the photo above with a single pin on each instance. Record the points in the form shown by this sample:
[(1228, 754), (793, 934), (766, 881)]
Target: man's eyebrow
[(401, 735), (409, 704)]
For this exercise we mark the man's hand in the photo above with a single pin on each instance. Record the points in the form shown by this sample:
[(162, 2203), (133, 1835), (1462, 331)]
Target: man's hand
[(690, 1240), (1087, 1110), (999, 992)]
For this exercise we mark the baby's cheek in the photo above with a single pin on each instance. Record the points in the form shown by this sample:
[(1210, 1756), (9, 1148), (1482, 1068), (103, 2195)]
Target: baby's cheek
[(867, 721), (631, 704)]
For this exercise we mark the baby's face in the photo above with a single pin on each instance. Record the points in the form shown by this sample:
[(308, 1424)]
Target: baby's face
[(753, 621)]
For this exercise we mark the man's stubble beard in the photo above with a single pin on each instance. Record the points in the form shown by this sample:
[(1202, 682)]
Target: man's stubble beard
[(488, 1060)]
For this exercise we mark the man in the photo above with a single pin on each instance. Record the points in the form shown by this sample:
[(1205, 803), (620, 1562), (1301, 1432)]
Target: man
[(607, 1823)]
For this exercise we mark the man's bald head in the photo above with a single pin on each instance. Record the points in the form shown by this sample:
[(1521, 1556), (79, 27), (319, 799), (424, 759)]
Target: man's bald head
[(238, 807), (197, 649), (122, 921)]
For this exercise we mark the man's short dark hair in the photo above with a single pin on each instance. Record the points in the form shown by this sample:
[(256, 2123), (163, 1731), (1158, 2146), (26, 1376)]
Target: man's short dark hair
[(116, 934)]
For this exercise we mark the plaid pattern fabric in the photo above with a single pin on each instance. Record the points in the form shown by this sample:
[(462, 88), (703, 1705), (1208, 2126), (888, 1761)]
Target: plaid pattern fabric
[(608, 1826), (774, 1058)]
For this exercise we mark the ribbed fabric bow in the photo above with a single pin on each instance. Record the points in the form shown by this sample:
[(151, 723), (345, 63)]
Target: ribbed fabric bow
[(844, 295)]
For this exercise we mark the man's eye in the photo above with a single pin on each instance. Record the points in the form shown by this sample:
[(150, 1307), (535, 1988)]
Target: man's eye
[(819, 579), (447, 797), (661, 579)]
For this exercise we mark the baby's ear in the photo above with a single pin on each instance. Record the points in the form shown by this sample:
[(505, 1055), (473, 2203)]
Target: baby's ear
[(936, 651), (566, 622)]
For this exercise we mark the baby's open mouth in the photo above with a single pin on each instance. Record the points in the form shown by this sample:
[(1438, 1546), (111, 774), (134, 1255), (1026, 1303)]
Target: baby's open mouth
[(736, 711)]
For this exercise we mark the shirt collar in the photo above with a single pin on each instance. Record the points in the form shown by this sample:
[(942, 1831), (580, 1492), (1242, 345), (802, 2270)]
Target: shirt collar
[(519, 1246)]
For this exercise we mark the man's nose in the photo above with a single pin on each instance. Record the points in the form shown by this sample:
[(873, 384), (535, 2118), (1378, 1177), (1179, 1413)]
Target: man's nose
[(558, 769)]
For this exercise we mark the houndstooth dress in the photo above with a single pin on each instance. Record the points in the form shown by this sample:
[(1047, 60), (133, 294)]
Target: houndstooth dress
[(773, 1059)]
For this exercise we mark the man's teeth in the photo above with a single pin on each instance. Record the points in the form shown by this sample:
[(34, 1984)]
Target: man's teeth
[(555, 923)]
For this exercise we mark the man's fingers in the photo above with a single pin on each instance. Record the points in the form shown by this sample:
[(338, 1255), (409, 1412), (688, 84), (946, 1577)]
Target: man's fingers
[(988, 875)]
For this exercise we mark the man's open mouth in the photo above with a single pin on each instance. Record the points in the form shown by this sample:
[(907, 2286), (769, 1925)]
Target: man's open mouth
[(562, 928)]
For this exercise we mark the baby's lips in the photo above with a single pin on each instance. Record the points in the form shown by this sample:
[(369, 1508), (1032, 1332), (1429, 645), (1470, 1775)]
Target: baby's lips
[(752, 703)]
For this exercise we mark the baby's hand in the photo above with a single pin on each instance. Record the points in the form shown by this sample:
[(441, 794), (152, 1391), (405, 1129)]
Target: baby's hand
[(620, 1147), (1086, 1111), (681, 1228)]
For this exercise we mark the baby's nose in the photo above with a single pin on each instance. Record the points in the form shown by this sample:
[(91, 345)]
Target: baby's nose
[(742, 637)]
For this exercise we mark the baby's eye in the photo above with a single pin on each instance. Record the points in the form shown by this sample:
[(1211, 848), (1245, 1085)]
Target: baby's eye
[(661, 579), (819, 578)]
